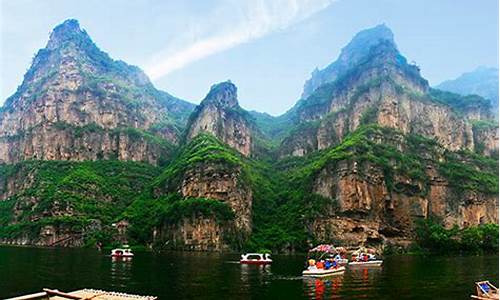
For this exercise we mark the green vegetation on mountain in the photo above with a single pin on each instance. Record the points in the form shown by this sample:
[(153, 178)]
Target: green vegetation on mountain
[(433, 237), (482, 81), (84, 191), (458, 102), (201, 181)]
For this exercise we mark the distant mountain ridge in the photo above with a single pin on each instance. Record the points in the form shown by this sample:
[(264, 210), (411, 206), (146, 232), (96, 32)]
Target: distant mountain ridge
[(482, 81)]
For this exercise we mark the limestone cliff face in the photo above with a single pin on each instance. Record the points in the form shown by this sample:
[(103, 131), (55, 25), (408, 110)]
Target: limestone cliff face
[(197, 234), (375, 84), (52, 142), (220, 115), (367, 210), (208, 169), (72, 83), (216, 182)]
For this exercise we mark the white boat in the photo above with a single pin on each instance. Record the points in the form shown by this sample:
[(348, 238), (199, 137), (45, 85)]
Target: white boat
[(369, 263), (122, 252), (256, 259), (313, 272), (342, 261)]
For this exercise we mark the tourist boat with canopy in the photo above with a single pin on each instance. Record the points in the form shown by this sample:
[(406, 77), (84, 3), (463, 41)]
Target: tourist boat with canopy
[(364, 257), (324, 260), (256, 259), (485, 291)]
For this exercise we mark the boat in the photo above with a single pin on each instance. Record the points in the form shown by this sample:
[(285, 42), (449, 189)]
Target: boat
[(84, 294), (369, 263), (314, 272), (365, 258), (122, 252), (329, 252), (256, 259), (485, 291)]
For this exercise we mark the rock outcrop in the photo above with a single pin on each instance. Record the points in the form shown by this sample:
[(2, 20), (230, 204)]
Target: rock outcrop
[(72, 83), (220, 115), (371, 82), (373, 206), (208, 169)]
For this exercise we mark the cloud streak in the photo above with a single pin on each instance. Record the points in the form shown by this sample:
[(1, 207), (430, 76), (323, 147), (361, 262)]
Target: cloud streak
[(254, 19)]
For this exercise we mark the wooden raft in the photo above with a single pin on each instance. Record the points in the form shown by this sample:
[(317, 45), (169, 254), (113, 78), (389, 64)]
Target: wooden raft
[(486, 291), (85, 294)]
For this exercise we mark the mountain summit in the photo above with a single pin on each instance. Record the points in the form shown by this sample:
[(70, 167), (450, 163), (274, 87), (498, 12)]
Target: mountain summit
[(72, 86), (372, 83), (68, 31), (358, 50), (220, 115), (223, 94)]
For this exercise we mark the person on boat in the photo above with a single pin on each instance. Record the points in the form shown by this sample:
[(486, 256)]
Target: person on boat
[(337, 257), (320, 264), (311, 264), (328, 264)]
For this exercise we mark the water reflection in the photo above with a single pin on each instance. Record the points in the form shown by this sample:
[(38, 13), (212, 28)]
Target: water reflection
[(323, 288), (255, 272), (120, 271), (177, 275)]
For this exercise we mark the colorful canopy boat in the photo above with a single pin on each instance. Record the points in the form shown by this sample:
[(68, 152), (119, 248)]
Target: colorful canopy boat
[(485, 291), (256, 259), (324, 260)]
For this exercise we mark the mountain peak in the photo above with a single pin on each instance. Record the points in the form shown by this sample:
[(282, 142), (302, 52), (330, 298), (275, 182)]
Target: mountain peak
[(373, 35), (68, 30), (369, 44), (364, 42), (223, 94)]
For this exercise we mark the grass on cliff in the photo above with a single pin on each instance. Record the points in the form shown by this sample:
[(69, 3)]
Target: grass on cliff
[(82, 191), (145, 213)]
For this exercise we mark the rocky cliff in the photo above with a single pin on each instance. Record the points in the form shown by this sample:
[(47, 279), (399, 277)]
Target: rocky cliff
[(87, 142), (375, 84), (72, 87), (386, 180), (207, 169), (220, 115)]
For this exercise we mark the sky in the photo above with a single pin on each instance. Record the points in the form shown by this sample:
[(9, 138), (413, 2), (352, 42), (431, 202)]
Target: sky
[(267, 48)]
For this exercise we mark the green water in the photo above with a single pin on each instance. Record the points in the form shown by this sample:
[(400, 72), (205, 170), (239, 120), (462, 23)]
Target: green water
[(176, 275)]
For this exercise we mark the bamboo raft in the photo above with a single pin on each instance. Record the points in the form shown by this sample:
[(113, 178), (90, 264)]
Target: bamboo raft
[(85, 294), (485, 291)]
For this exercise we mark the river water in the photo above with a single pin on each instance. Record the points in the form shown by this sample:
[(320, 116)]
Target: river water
[(181, 275)]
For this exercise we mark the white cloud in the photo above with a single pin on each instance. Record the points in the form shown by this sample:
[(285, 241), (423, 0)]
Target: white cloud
[(242, 21)]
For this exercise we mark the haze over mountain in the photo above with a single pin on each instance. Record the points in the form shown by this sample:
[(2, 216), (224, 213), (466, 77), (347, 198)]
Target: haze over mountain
[(370, 149), (483, 81)]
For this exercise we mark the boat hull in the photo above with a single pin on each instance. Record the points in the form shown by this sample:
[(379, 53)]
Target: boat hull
[(255, 262), (373, 263), (342, 262), (322, 272)]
